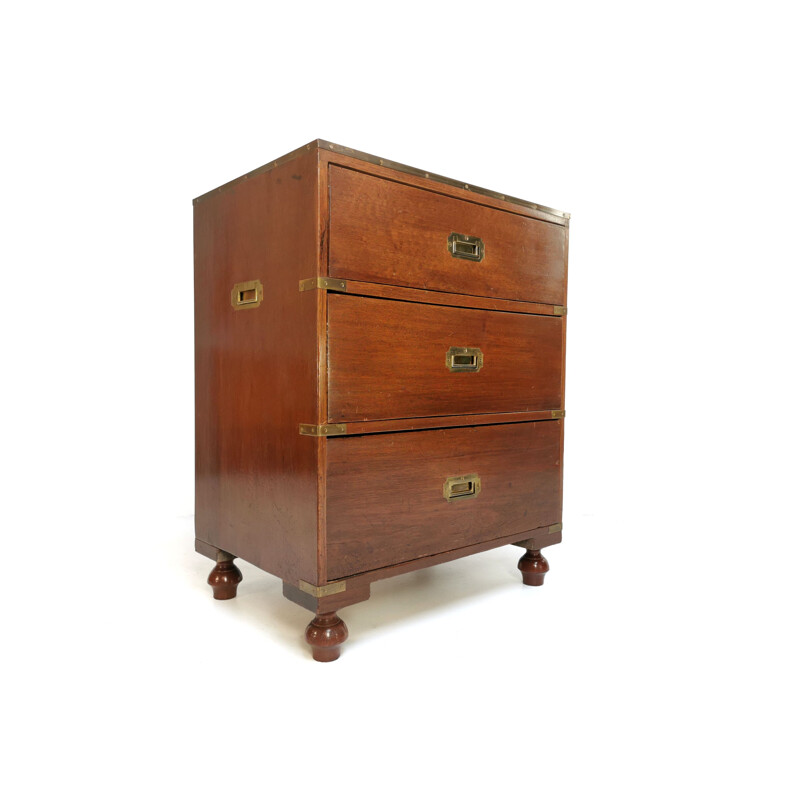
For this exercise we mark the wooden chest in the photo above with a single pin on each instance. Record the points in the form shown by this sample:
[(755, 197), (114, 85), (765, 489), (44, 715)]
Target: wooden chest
[(379, 376)]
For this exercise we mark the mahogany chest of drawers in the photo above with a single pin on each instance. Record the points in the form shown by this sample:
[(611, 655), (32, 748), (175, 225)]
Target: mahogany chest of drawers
[(379, 376)]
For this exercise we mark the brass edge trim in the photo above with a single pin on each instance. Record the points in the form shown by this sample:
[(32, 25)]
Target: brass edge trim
[(558, 413), (323, 430), (322, 591), (560, 311), (555, 528), (385, 162), (336, 284)]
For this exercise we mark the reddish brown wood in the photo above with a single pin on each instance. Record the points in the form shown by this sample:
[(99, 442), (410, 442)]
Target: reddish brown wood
[(539, 539), (326, 633), (385, 492), (430, 182), (356, 592), (364, 507), (257, 370), (387, 360), (224, 579), (533, 566), (455, 421), (446, 299), (387, 232)]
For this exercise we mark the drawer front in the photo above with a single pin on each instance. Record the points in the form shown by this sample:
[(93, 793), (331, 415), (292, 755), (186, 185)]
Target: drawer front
[(386, 232), (386, 492), (389, 359)]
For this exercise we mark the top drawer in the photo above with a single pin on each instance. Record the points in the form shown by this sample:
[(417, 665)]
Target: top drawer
[(387, 232)]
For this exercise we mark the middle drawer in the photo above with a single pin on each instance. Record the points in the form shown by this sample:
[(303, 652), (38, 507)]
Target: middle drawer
[(391, 359)]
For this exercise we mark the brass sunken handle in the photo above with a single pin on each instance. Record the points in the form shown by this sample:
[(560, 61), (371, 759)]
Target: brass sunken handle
[(461, 487), (464, 359), (462, 246), (247, 294)]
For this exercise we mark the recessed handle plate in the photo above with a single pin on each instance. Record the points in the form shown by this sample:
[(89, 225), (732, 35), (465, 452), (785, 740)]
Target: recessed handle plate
[(464, 359), (247, 294), (461, 487), (462, 246)]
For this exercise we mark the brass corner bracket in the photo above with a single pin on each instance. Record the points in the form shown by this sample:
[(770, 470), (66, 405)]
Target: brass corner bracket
[(334, 284), (560, 311), (323, 430), (322, 591), (555, 528), (558, 414)]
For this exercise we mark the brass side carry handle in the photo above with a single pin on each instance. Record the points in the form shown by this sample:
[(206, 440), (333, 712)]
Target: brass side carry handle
[(461, 487), (247, 294), (462, 246), (464, 359)]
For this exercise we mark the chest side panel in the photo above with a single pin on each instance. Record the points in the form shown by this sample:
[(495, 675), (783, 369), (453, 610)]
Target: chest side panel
[(257, 370)]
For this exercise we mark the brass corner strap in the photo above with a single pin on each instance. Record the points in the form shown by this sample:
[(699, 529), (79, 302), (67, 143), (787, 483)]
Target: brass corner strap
[(334, 284), (560, 311), (322, 591), (555, 528), (323, 430), (558, 414)]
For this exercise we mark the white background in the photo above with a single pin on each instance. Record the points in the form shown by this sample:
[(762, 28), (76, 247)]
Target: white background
[(660, 658)]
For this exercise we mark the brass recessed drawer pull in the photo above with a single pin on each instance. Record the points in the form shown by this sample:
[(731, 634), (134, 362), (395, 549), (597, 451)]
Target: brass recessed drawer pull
[(462, 246), (247, 294), (461, 488), (464, 359)]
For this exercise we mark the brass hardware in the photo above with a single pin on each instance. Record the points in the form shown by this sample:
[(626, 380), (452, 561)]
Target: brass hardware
[(370, 159), (322, 591), (555, 528), (323, 430), (335, 284), (464, 359), (462, 246), (247, 294), (559, 414), (461, 487), (560, 311)]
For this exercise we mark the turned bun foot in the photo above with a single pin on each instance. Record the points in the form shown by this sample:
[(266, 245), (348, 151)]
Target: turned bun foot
[(326, 634), (533, 566), (224, 579)]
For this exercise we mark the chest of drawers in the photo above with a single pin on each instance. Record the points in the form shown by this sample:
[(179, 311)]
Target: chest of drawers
[(379, 362)]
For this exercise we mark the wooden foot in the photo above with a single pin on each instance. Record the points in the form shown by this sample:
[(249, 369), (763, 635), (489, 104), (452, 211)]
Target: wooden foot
[(326, 633), (533, 566), (225, 577)]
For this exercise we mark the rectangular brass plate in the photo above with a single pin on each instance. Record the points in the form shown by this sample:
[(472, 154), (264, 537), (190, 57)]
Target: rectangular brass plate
[(555, 528), (461, 487), (336, 284), (462, 246), (322, 591), (560, 311), (464, 359), (559, 414), (323, 430), (247, 294)]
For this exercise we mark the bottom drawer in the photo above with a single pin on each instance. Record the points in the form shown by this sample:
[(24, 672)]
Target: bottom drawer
[(386, 499)]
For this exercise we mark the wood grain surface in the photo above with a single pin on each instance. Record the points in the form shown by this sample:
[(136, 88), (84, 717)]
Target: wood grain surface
[(387, 232), (256, 371), (386, 359), (385, 501)]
